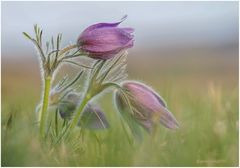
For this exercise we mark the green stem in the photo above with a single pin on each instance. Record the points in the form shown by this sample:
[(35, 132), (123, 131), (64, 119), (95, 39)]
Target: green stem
[(87, 96), (56, 122), (43, 115)]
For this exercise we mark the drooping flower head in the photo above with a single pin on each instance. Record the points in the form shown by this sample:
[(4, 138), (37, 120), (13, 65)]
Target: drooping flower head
[(147, 106), (92, 116), (104, 40)]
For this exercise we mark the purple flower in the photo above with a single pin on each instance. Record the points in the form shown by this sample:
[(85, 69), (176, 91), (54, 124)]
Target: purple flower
[(147, 107), (104, 40)]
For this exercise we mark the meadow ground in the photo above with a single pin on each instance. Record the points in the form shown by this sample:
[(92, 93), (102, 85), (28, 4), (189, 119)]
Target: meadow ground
[(201, 91)]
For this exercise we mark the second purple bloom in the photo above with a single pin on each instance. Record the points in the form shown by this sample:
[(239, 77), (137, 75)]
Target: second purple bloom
[(146, 106)]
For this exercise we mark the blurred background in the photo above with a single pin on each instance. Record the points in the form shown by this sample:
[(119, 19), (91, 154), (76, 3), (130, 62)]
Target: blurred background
[(172, 38), (187, 51)]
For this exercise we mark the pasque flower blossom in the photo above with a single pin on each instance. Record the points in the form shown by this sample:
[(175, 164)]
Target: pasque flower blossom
[(104, 40), (139, 104), (147, 107)]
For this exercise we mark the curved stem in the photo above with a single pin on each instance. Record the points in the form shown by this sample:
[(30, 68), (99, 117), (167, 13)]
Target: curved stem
[(67, 49), (43, 114)]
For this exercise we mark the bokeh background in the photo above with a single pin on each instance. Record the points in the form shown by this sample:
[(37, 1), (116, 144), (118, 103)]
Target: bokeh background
[(187, 51)]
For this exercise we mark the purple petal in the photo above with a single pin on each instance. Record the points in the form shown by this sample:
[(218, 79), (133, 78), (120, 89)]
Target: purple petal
[(105, 40), (104, 55), (148, 89), (145, 96), (168, 120), (103, 25), (128, 30)]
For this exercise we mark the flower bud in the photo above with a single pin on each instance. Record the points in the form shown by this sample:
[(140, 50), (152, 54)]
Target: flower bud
[(68, 105), (147, 107), (104, 40), (91, 118)]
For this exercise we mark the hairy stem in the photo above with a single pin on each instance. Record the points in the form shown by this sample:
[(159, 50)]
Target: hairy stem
[(67, 49), (43, 114), (56, 122)]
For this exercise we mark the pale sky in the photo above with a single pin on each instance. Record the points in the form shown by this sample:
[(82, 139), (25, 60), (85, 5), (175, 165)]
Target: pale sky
[(157, 24)]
